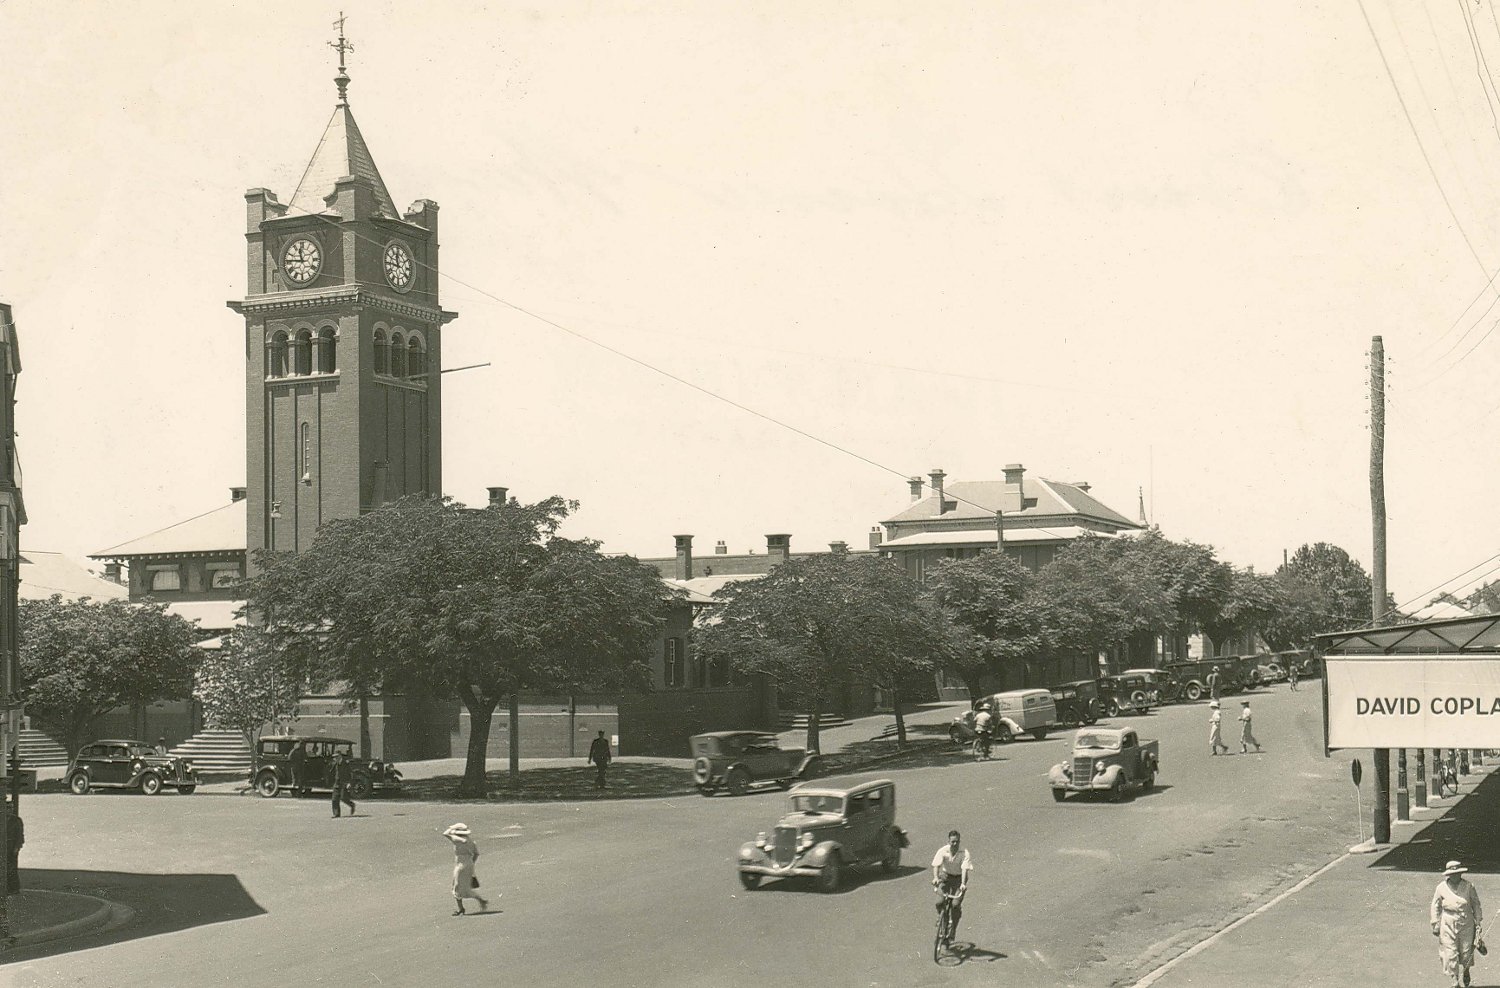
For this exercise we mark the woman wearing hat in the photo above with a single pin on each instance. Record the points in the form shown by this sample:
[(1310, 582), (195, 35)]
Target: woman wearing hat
[(1215, 731), (1456, 918), (465, 853)]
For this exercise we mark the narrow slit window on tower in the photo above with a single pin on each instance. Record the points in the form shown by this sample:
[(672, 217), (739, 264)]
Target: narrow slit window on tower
[(306, 453), (304, 352), (416, 359), (382, 353), (278, 355), (398, 355), (327, 351)]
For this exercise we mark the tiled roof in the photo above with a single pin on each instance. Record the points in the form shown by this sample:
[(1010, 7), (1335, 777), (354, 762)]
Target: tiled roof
[(219, 530), (982, 498), (342, 151), (46, 573)]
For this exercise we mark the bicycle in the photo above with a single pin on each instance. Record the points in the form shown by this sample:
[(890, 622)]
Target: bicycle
[(983, 744), (944, 937)]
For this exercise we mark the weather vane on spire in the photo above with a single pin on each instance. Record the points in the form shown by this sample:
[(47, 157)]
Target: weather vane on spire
[(341, 46)]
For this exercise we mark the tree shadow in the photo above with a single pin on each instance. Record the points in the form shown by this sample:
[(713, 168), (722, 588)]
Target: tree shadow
[(625, 780), (1464, 832), (162, 904), (917, 754)]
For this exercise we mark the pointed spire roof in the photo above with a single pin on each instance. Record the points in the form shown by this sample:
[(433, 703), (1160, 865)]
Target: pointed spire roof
[(342, 151)]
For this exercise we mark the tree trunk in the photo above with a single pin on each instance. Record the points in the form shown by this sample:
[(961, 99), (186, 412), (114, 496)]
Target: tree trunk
[(515, 740), (900, 720), (812, 724), (364, 726), (481, 709)]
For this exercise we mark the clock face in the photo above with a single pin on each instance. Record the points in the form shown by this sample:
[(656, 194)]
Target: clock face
[(398, 267), (302, 261)]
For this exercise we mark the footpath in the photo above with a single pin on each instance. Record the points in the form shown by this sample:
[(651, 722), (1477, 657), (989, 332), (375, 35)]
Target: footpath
[(1362, 920)]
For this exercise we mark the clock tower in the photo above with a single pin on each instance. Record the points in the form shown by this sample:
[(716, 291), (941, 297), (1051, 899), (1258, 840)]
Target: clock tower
[(343, 336)]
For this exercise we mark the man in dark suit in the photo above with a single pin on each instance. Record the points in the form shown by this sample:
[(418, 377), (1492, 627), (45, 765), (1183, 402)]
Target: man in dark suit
[(600, 756), (297, 761), (341, 774)]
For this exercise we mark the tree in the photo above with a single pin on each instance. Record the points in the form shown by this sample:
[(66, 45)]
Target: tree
[(473, 604), (812, 624), (1254, 603), (82, 658), (1097, 594), (989, 599), (1323, 590), (250, 681)]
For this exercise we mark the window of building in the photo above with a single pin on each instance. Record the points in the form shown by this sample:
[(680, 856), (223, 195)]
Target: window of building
[(278, 355), (398, 355), (164, 577), (416, 359), (672, 663), (327, 351), (219, 579), (306, 453), (303, 353), (382, 353)]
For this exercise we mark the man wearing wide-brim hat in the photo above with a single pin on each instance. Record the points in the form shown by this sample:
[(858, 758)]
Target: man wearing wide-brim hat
[(1215, 730), (1456, 917)]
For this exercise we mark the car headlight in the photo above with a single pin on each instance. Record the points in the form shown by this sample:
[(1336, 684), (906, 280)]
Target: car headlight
[(760, 840), (187, 766), (1099, 768), (804, 842)]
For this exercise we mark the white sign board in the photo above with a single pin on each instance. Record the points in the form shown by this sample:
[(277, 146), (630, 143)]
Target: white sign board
[(1432, 701)]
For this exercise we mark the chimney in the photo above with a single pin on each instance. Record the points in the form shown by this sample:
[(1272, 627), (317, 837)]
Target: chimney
[(1013, 474), (112, 569), (236, 494), (916, 488), (1083, 485), (684, 556), (720, 549), (779, 548), (876, 537), (937, 486), (839, 548), (498, 495)]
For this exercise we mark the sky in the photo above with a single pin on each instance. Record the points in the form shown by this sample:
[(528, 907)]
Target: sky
[(1137, 244)]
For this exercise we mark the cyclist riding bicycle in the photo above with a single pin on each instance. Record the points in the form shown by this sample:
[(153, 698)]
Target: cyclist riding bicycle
[(984, 723), (950, 877)]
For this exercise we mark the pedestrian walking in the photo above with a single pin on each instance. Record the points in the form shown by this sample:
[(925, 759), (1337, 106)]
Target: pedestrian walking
[(342, 776), (599, 755), (1215, 731), (1212, 679), (1291, 674), (1456, 918), (297, 761), (465, 854), (1247, 737)]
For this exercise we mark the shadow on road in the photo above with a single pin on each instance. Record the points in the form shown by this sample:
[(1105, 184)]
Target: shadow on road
[(1465, 832), (162, 904), (626, 780), (961, 952)]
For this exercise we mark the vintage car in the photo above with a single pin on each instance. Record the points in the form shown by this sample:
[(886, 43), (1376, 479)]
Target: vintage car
[(1161, 680), (1016, 712), (1127, 694), (735, 759), (1077, 702), (825, 831), (114, 764), (271, 767), (1106, 760)]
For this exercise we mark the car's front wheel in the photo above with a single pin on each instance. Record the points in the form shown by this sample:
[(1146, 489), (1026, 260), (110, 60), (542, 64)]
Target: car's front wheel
[(750, 880), (1117, 791), (1003, 735), (150, 784), (1058, 795), (1040, 734), (1194, 692), (832, 875), (956, 735), (186, 790), (361, 787), (267, 785), (1149, 782), (1113, 710), (738, 781), (708, 789), (78, 784)]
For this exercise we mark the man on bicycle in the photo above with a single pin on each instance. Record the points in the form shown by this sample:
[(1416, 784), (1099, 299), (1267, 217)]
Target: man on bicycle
[(984, 724), (950, 877)]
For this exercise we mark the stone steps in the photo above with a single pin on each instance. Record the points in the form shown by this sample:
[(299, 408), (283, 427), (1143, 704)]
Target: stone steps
[(794, 721), (215, 751), (38, 750)]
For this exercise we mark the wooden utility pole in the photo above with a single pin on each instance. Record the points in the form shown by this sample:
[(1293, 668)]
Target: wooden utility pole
[(1382, 756)]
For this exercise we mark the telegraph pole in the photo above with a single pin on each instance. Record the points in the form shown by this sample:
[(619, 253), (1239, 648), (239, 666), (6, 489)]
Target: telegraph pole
[(1382, 756)]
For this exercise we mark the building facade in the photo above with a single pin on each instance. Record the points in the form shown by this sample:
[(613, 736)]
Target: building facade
[(12, 517)]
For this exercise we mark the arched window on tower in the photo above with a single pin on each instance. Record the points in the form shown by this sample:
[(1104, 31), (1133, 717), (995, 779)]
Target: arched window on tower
[(327, 351), (416, 359), (278, 355), (398, 355), (303, 362), (382, 353)]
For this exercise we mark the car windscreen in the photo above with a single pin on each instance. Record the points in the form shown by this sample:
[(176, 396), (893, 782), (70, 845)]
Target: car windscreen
[(1093, 739), (817, 804)]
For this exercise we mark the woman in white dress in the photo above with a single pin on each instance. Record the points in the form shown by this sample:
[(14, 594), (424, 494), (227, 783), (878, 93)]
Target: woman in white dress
[(465, 854), (1456, 919)]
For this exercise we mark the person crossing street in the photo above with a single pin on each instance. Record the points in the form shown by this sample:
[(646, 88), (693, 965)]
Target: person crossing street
[(1247, 737), (342, 777), (1215, 730)]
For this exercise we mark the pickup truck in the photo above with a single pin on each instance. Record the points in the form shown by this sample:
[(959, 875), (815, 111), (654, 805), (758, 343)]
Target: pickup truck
[(1106, 760)]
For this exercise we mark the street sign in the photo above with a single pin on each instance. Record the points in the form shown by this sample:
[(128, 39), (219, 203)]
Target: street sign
[(1356, 771)]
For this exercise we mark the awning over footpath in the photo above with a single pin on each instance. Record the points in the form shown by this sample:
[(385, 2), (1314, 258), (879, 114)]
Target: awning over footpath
[(1478, 634)]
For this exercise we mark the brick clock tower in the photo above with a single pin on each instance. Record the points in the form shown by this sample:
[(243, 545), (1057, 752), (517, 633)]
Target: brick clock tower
[(343, 335)]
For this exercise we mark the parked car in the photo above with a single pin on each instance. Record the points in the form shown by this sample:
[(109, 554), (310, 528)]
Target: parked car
[(115, 764), (271, 766), (1301, 658), (1106, 760), (1192, 677), (1077, 702), (1127, 694), (1161, 680), (735, 759), (1015, 712), (1268, 669), (825, 831)]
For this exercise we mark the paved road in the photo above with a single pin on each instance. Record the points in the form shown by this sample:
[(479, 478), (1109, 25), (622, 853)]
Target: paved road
[(235, 890)]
